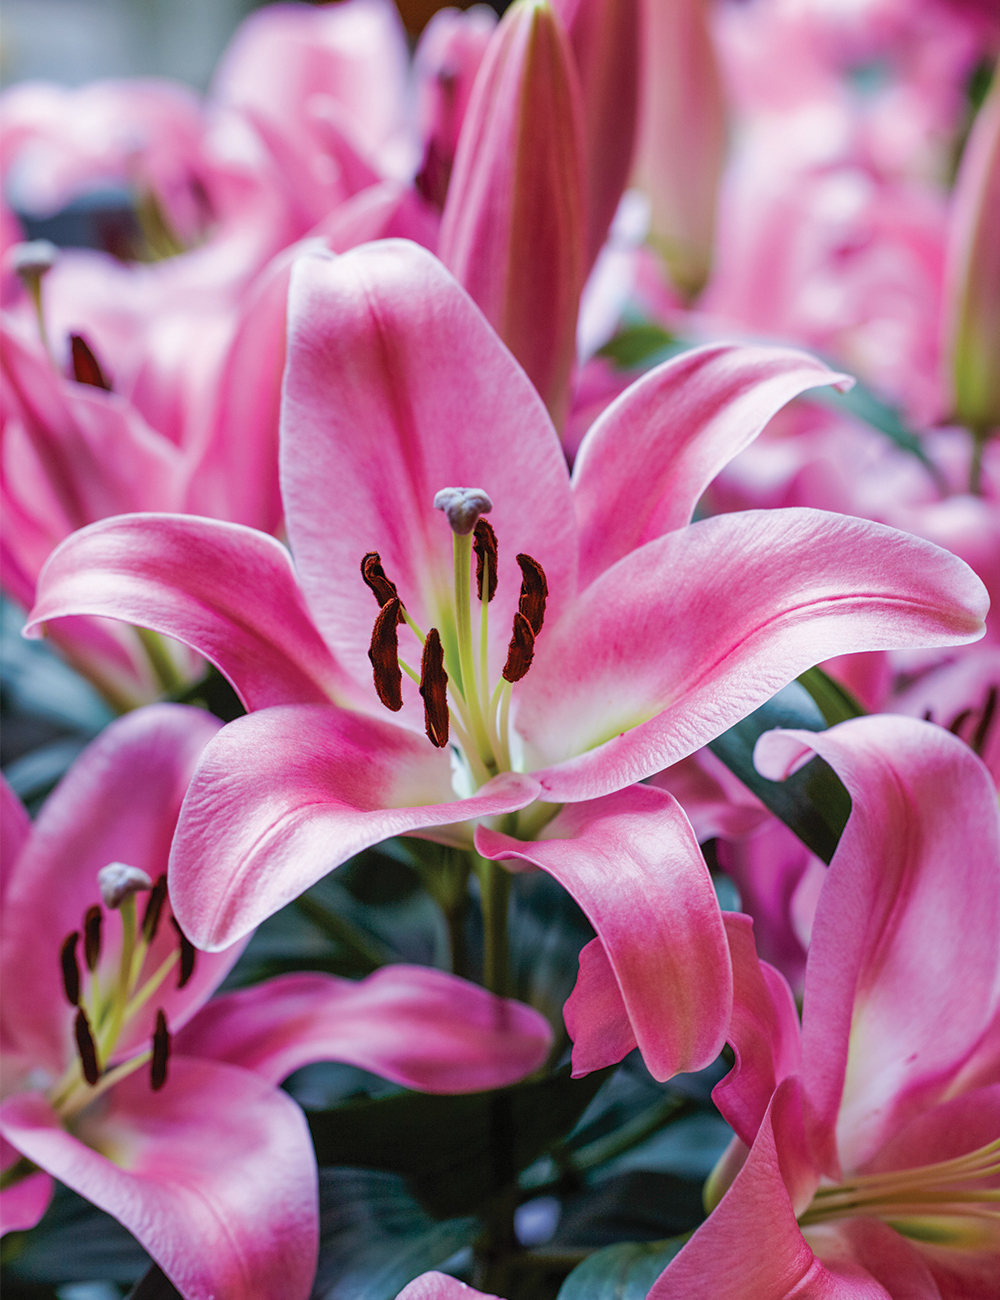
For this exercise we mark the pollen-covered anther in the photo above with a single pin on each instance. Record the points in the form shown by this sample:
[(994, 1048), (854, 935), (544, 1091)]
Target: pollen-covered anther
[(384, 654), (85, 1046), (70, 969), (161, 1053), (521, 650), (463, 506), (92, 924), (154, 909), (434, 689), (118, 881), (534, 592), (485, 547), (86, 367), (382, 587), (188, 955)]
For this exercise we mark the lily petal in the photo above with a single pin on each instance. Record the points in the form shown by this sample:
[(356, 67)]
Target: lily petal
[(635, 849), (764, 1033), (391, 367), (644, 464), (23, 1203), (214, 1174), (711, 621), (417, 1026), (227, 591), (596, 1015), (15, 827), (751, 1245), (118, 803), (283, 796), (439, 1286), (903, 972)]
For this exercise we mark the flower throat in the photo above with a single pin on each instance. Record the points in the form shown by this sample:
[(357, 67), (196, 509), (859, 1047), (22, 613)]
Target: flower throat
[(454, 670)]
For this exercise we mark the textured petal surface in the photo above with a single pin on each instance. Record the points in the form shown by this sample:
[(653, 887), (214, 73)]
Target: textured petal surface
[(439, 1286), (693, 631), (751, 1244), (764, 1033), (596, 1015), (285, 795), (15, 827), (634, 854), (227, 591), (645, 463), (397, 387), (118, 803), (214, 1174), (420, 1027), (903, 971)]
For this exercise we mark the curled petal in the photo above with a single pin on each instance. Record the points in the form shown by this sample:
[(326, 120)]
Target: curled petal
[(24, 1202), (631, 852), (687, 635), (193, 579), (214, 1174), (903, 972), (419, 1027), (285, 795), (645, 463)]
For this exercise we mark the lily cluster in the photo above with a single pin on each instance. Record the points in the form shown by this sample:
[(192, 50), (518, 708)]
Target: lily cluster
[(368, 326)]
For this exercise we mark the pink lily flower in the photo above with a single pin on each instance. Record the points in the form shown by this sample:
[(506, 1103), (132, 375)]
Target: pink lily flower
[(439, 1286), (514, 227), (866, 1159), (593, 692), (158, 1136)]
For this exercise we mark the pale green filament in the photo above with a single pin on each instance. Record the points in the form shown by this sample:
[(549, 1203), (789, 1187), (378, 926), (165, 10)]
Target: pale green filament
[(909, 1199)]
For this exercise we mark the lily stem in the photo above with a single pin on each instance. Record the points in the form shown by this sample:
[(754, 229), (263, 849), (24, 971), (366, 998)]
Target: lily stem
[(495, 896)]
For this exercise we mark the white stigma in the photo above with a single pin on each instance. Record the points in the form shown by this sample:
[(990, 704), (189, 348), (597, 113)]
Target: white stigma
[(119, 881), (463, 506)]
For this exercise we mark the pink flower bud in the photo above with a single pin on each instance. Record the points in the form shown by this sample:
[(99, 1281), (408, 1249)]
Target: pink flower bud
[(604, 35), (973, 276), (682, 135), (513, 230)]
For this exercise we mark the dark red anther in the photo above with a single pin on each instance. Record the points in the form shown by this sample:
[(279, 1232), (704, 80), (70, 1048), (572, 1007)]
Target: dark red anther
[(70, 970), (434, 689), (86, 367), (161, 1053), (534, 592), (375, 579), (958, 721), (485, 546), (154, 909), (384, 654), (188, 954), (85, 1046), (521, 650), (978, 741), (92, 937)]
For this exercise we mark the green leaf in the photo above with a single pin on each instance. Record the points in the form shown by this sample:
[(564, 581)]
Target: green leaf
[(835, 702), (623, 1272), (457, 1151), (641, 346), (374, 1237), (813, 802), (74, 1242)]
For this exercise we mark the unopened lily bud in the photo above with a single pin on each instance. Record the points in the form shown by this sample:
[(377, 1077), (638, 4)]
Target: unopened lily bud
[(682, 136), (604, 35), (463, 506), (973, 275), (514, 226), (119, 881)]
